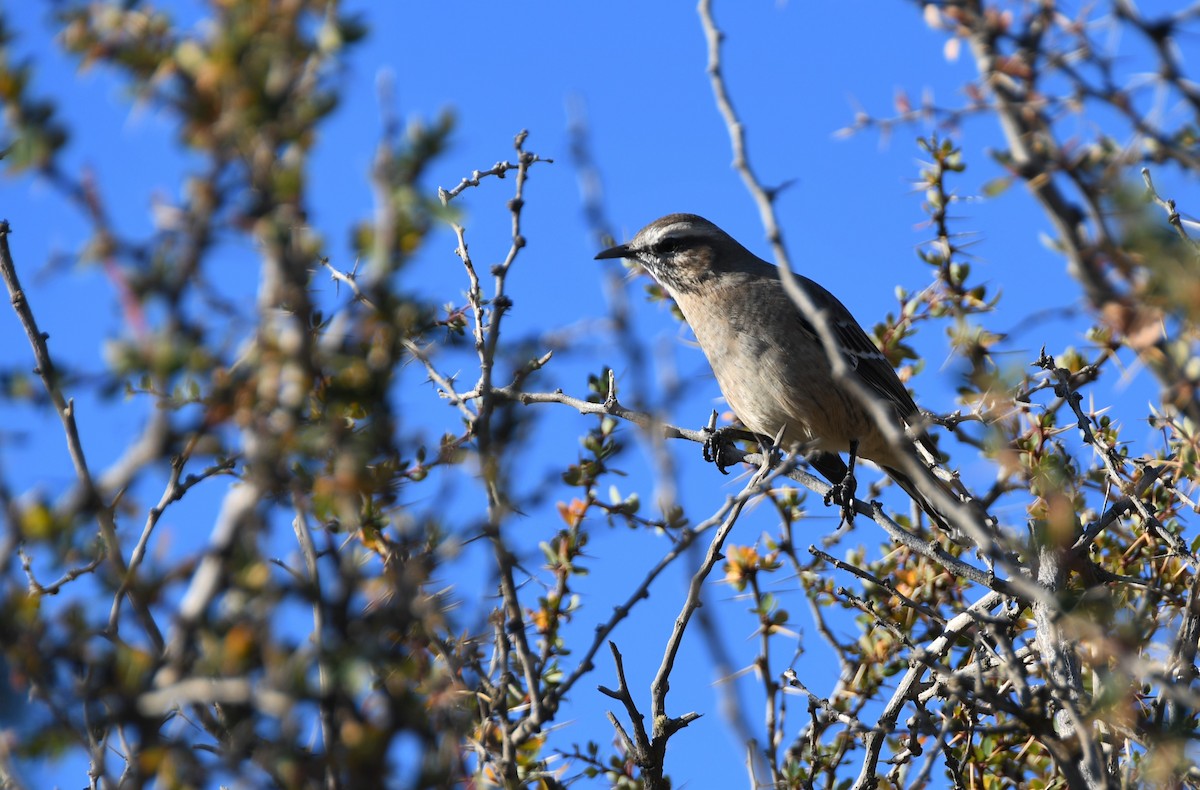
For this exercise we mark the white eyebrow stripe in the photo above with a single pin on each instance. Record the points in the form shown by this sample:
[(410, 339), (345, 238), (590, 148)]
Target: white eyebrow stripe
[(679, 229)]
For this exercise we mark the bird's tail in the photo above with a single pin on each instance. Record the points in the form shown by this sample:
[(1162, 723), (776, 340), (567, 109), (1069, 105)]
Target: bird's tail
[(953, 511)]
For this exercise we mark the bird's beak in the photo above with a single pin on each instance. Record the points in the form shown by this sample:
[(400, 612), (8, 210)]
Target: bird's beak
[(619, 251)]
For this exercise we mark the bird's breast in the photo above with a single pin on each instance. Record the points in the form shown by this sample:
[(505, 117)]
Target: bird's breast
[(775, 375)]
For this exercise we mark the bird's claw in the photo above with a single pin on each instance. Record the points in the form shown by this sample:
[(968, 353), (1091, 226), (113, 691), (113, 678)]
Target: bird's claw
[(842, 495), (716, 447)]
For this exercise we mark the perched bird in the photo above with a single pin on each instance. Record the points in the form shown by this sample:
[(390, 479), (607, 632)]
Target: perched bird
[(769, 359)]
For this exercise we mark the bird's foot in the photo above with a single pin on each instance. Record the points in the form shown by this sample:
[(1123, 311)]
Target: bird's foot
[(716, 447), (842, 492), (842, 495)]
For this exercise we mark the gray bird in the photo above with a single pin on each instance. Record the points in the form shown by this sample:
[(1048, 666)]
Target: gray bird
[(769, 360)]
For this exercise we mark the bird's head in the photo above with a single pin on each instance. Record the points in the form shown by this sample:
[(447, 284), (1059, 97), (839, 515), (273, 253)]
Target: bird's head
[(681, 251)]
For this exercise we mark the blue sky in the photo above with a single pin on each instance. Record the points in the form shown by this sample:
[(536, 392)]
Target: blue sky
[(798, 71)]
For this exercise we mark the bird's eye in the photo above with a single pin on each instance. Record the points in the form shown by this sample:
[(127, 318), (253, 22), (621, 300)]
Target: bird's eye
[(668, 246)]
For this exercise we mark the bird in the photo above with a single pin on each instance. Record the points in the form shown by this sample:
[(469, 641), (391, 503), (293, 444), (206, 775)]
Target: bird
[(770, 362)]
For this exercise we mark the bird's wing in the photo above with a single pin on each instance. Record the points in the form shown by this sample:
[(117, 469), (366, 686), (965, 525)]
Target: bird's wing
[(859, 351)]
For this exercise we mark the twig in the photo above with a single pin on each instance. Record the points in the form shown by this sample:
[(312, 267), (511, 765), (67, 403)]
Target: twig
[(852, 722), (1112, 460), (908, 686), (1168, 206), (884, 583), (639, 747), (237, 513), (54, 588), (498, 170), (66, 413), (173, 492), (308, 548), (664, 726)]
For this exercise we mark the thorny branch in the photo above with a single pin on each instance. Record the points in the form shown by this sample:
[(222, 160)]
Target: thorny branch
[(487, 315), (39, 341)]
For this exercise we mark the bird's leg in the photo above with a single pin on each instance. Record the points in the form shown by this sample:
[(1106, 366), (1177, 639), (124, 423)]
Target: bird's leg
[(842, 491)]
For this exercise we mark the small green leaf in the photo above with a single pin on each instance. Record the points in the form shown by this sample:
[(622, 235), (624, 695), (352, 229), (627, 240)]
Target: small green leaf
[(997, 186)]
